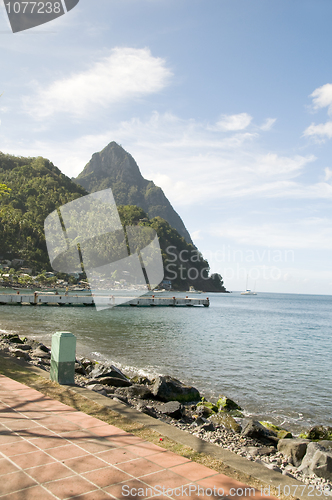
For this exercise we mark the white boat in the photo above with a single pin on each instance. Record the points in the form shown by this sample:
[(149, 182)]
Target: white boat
[(247, 291), (192, 290)]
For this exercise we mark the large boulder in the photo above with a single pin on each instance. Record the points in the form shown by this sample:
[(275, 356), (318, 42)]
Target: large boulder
[(256, 430), (170, 389), (319, 432), (226, 421), (107, 371), (20, 353), (293, 449), (41, 353), (139, 391), (224, 403), (171, 409), (317, 460), (113, 381)]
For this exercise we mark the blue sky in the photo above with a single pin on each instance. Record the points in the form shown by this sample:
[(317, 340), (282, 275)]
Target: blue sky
[(225, 104)]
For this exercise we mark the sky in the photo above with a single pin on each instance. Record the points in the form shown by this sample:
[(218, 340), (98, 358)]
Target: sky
[(224, 104)]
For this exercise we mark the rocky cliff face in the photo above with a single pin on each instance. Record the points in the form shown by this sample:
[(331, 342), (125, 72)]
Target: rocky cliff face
[(114, 168)]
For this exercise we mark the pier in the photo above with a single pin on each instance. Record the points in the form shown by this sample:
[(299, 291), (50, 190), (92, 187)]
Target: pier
[(40, 299)]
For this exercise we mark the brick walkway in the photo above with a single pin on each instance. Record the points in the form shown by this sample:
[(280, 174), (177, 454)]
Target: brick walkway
[(49, 450)]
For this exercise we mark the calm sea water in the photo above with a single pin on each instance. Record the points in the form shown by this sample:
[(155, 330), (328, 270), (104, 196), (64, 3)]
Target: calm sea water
[(272, 353)]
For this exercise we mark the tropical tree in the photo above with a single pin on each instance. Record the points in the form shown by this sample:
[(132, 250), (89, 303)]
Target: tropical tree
[(4, 189)]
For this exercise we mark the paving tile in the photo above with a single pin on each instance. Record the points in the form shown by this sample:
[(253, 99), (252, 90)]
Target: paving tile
[(139, 467), (32, 459), (6, 467), (85, 463), (124, 440), (66, 452), (17, 448), (193, 471), (132, 490), (35, 415), (106, 477), (95, 445), (85, 421), (117, 456), (69, 487), (16, 481), (145, 448), (20, 423), (39, 431), (34, 493), (106, 430), (168, 459), (75, 435), (165, 478), (49, 472), (9, 437), (63, 426), (48, 442)]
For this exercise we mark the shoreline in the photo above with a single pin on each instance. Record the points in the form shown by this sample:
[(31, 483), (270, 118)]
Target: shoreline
[(224, 426)]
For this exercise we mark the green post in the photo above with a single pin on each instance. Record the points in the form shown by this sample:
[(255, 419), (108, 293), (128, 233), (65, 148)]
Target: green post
[(63, 355)]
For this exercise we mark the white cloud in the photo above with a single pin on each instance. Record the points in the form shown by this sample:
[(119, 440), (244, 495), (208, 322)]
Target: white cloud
[(232, 123), (190, 162), (322, 97), (288, 234), (323, 130), (328, 174), (268, 124), (126, 73)]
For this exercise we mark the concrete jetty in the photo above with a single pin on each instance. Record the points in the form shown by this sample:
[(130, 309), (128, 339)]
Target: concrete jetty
[(39, 299)]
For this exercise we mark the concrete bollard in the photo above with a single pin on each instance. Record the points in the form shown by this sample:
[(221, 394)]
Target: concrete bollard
[(63, 355)]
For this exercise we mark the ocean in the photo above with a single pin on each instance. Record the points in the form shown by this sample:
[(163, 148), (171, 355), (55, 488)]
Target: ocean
[(271, 353)]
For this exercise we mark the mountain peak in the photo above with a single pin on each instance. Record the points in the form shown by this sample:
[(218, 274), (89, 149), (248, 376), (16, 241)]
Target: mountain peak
[(114, 168)]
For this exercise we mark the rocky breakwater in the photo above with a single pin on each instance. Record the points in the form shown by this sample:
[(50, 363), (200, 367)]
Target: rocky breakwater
[(307, 457)]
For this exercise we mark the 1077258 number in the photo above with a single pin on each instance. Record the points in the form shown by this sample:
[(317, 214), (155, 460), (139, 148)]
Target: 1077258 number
[(34, 8)]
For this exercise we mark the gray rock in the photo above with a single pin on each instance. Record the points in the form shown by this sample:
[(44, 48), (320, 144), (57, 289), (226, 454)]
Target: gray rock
[(120, 399), (113, 381), (98, 388), (208, 427), (318, 461), (226, 421), (19, 353), (293, 449), (170, 389), (262, 450), (107, 371), (25, 347), (172, 409), (255, 430), (148, 410), (320, 432), (325, 444), (79, 368), (43, 347), (139, 391), (15, 339), (272, 467), (40, 353)]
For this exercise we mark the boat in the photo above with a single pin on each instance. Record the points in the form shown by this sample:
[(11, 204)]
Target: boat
[(192, 290), (247, 291)]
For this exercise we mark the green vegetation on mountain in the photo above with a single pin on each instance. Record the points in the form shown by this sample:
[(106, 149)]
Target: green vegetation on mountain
[(184, 265), (37, 188), (114, 168), (32, 188)]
